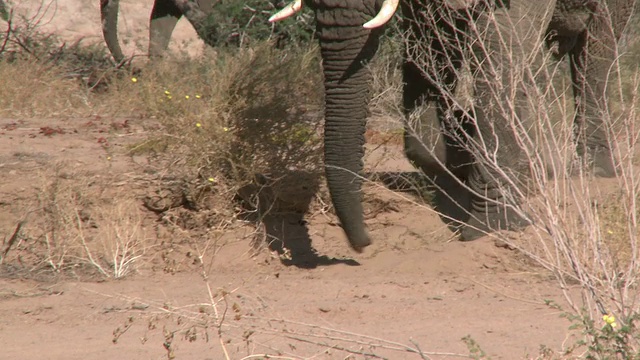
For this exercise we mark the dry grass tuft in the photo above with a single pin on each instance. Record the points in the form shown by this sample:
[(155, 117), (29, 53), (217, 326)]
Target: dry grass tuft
[(80, 227), (31, 89)]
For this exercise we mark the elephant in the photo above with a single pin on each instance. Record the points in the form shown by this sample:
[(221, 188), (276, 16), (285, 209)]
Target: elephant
[(501, 37), (164, 17)]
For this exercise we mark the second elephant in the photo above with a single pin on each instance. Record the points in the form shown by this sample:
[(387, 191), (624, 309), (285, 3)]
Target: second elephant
[(164, 17), (504, 39)]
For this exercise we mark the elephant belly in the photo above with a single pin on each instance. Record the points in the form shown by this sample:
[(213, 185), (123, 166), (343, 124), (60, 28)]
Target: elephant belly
[(570, 20), (571, 17), (570, 25)]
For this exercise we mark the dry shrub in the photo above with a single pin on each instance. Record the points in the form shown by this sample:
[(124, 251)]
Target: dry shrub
[(262, 99), (31, 89), (244, 119), (241, 125), (386, 101), (23, 40), (277, 143), (76, 226)]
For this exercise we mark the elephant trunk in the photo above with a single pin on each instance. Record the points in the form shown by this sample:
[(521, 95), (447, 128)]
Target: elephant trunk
[(346, 47), (109, 15)]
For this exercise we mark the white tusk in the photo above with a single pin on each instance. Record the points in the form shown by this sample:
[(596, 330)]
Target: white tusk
[(287, 11), (386, 13)]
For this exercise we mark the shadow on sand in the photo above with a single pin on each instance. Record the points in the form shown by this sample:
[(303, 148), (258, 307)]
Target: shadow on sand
[(278, 206), (447, 196)]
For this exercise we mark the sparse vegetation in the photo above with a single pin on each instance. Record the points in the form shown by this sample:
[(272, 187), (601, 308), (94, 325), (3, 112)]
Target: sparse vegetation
[(234, 127)]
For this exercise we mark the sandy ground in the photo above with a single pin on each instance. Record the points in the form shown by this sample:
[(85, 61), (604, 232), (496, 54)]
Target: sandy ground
[(414, 288)]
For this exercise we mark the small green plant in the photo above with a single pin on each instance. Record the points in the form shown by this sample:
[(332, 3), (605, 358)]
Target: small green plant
[(4, 11), (475, 351), (607, 337)]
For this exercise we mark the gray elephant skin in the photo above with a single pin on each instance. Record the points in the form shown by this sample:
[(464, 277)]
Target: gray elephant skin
[(164, 17), (582, 31)]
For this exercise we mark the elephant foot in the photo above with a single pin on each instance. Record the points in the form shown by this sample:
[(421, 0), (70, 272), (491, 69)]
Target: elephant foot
[(599, 161), (603, 164), (359, 241), (482, 223), (452, 201)]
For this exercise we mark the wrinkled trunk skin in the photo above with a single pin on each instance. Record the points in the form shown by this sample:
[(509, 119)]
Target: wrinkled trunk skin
[(109, 16), (346, 47)]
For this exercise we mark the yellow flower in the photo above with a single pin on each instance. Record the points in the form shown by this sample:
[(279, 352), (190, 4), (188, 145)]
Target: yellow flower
[(610, 320), (198, 125), (166, 92), (186, 97), (198, 96), (169, 97), (109, 158), (609, 231), (225, 129), (212, 179), (134, 80)]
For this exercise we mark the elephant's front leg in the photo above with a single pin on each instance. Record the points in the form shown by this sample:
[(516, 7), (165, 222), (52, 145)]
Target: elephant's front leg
[(437, 129), (109, 15), (508, 40), (164, 17), (591, 62)]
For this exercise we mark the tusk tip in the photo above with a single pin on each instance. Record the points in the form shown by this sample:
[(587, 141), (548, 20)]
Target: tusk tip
[(371, 25), (287, 11)]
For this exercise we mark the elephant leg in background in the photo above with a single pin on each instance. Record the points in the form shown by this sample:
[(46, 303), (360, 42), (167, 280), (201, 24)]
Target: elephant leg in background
[(434, 133), (436, 128), (198, 13), (164, 17), (109, 17), (508, 38), (591, 60)]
